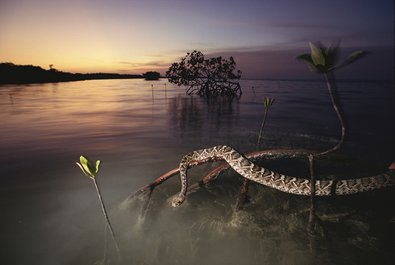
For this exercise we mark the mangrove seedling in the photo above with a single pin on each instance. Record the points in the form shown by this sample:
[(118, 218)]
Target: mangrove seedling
[(267, 102), (324, 60), (91, 172)]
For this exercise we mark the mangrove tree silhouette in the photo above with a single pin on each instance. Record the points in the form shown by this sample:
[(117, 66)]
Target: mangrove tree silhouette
[(206, 77)]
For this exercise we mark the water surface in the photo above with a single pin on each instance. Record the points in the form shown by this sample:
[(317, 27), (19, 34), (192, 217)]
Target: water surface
[(141, 129)]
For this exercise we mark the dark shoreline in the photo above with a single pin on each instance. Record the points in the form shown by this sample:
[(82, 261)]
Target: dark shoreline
[(29, 74), (22, 81)]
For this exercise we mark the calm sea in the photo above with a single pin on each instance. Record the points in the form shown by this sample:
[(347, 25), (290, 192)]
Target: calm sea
[(140, 130)]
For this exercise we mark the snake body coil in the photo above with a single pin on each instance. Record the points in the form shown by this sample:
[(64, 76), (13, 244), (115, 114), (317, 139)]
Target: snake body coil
[(289, 184)]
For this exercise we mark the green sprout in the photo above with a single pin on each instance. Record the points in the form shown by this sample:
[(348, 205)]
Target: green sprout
[(267, 102), (92, 171), (324, 60), (87, 168)]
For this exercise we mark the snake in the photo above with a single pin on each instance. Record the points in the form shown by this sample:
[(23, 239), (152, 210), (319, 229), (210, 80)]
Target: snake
[(289, 184)]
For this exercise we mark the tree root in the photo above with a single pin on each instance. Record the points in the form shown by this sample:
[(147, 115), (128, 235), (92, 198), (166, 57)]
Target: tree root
[(213, 174), (243, 196)]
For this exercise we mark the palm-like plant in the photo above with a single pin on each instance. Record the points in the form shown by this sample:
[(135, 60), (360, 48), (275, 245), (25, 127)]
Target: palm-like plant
[(324, 60)]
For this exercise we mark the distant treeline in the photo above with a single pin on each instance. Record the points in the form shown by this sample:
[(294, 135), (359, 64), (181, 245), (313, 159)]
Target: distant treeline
[(22, 74)]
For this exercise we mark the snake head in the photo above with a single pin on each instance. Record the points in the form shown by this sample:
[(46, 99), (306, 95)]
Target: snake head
[(178, 200)]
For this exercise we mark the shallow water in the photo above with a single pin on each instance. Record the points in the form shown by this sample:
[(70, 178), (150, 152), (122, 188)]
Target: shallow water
[(141, 129)]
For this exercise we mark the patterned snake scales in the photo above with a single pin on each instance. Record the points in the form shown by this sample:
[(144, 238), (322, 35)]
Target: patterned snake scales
[(289, 184)]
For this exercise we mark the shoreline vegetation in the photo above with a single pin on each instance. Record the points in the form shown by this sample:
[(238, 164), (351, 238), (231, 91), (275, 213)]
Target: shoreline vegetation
[(25, 74)]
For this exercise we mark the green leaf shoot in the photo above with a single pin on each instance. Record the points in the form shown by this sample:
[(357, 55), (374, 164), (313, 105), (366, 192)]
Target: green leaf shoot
[(317, 56), (268, 102), (87, 168), (325, 59)]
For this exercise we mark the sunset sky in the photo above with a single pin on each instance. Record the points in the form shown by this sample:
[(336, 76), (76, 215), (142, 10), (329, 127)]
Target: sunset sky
[(133, 36)]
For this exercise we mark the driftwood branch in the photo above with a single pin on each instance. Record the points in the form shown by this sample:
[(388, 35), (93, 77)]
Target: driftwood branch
[(312, 195)]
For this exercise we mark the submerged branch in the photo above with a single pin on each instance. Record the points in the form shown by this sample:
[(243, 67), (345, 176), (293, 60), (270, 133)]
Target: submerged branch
[(312, 195), (213, 174)]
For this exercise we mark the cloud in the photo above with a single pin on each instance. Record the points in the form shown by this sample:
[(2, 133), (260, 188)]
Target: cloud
[(146, 64), (133, 67), (131, 64)]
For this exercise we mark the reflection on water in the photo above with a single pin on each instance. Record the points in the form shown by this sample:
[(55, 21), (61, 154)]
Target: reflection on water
[(140, 130), (202, 118)]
